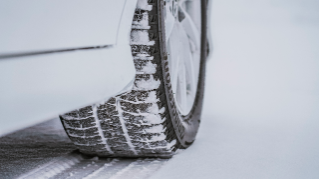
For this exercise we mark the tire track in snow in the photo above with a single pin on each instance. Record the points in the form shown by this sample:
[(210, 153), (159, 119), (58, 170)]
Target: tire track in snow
[(77, 166)]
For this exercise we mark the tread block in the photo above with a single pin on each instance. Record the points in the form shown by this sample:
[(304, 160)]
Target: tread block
[(86, 140), (83, 133), (86, 112), (83, 123)]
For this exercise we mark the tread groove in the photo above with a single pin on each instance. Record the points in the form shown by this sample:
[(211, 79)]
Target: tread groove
[(98, 125), (126, 135)]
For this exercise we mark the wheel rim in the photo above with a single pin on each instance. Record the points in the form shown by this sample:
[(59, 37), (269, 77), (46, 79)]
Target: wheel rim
[(182, 29)]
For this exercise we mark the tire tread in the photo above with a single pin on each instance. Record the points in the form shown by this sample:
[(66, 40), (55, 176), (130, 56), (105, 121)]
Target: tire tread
[(136, 122)]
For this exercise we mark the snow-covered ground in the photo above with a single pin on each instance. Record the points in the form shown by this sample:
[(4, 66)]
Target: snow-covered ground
[(261, 115)]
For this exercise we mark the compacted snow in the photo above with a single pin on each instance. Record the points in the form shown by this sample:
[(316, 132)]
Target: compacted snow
[(261, 115)]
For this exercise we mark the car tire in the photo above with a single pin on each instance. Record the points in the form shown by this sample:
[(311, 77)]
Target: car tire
[(145, 120)]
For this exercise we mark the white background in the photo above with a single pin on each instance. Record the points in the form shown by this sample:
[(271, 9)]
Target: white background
[(261, 115)]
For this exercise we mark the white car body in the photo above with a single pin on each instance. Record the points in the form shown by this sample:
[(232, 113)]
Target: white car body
[(59, 55)]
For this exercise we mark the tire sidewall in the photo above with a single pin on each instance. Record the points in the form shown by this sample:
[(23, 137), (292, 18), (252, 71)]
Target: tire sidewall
[(185, 126)]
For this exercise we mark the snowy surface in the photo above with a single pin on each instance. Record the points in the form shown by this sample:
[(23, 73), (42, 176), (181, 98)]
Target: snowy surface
[(260, 118), (261, 115)]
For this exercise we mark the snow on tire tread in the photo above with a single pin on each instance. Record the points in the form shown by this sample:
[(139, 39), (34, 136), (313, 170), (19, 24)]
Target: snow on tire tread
[(133, 123)]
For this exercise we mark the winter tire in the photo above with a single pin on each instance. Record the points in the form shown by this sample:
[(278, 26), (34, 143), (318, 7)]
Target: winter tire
[(161, 111)]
